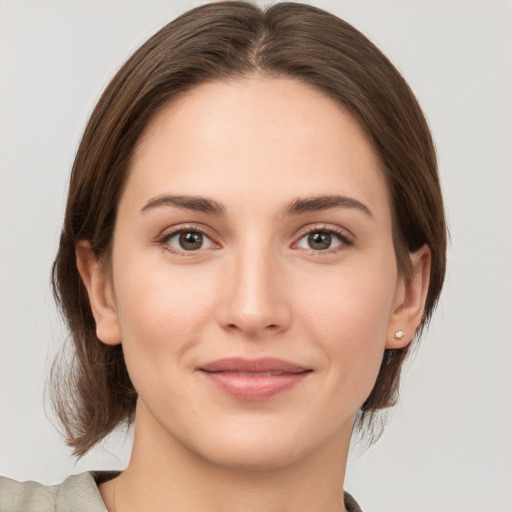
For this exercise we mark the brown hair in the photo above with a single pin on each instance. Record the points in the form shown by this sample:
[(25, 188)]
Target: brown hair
[(214, 42)]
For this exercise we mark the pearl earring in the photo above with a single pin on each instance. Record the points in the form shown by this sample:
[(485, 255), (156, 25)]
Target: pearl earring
[(399, 335)]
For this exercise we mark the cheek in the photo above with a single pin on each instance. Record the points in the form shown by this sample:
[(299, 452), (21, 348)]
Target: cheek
[(354, 301), (161, 311), (346, 313)]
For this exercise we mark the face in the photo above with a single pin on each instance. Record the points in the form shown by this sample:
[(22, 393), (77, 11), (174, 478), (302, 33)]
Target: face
[(253, 277)]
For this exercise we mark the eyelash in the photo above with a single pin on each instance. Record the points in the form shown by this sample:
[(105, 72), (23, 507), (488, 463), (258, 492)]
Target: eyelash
[(346, 240), (163, 240)]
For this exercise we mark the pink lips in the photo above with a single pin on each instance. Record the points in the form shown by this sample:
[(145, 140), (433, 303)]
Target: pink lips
[(255, 379)]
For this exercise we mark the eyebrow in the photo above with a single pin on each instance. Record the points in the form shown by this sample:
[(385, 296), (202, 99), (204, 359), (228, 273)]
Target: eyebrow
[(296, 207), (319, 203), (199, 204)]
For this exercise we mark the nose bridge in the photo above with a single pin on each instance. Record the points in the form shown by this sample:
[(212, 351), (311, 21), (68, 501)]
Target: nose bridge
[(255, 302)]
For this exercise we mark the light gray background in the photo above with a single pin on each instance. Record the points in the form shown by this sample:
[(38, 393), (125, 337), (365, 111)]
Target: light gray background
[(448, 446)]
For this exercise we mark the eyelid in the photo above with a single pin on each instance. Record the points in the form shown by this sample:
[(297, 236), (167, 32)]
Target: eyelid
[(170, 232), (346, 237)]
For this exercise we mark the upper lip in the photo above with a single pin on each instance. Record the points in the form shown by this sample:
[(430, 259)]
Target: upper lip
[(261, 365)]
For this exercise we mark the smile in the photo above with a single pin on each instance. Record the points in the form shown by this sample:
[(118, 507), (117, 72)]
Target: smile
[(253, 380)]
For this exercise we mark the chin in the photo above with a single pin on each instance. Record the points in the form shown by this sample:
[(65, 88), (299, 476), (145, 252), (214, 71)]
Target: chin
[(251, 456), (262, 446)]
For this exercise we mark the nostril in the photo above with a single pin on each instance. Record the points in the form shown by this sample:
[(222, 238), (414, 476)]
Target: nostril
[(270, 327)]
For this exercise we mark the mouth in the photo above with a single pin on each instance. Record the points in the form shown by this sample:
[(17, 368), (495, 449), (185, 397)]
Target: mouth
[(256, 379)]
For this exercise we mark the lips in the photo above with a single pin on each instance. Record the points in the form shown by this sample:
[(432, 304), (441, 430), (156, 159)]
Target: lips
[(256, 379)]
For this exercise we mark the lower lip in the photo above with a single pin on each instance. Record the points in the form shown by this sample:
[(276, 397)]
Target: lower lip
[(254, 387)]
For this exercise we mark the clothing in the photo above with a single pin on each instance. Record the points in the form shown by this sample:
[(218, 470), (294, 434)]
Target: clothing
[(78, 493)]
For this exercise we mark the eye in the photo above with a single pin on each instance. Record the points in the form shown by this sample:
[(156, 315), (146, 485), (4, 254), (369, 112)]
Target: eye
[(188, 240), (322, 240)]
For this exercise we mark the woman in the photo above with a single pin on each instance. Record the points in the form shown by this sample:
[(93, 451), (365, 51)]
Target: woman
[(254, 235)]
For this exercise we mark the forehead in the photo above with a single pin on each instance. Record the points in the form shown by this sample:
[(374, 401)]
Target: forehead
[(256, 137)]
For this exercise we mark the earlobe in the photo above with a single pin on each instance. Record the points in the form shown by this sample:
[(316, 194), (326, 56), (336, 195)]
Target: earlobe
[(410, 301), (101, 296)]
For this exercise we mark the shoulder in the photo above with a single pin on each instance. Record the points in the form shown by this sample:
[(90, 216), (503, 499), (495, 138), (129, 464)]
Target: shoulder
[(78, 493)]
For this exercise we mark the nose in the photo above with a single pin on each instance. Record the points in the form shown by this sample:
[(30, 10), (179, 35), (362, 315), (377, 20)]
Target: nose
[(255, 299)]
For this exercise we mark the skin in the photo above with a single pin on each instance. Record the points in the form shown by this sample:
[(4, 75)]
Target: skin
[(255, 288)]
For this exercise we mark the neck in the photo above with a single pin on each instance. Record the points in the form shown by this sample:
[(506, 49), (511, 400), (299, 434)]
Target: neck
[(164, 475)]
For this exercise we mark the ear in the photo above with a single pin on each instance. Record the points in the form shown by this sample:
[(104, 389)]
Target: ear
[(410, 300), (100, 292)]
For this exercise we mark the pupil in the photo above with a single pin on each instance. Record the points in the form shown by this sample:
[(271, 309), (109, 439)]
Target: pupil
[(319, 241), (191, 240)]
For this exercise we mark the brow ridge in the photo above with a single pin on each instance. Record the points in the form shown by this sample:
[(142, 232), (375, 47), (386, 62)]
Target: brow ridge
[(200, 204), (319, 203), (296, 207)]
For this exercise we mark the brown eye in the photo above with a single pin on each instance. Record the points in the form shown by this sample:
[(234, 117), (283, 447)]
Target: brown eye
[(186, 240), (322, 240), (319, 241), (191, 241)]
